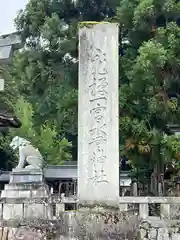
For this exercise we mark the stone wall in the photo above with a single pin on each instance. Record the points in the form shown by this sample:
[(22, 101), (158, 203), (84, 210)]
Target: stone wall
[(90, 223), (9, 233), (102, 224), (91, 226), (30, 230), (155, 229), (73, 225)]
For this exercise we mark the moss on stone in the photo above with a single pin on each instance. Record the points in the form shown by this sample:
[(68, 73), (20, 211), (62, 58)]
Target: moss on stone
[(100, 207), (89, 24)]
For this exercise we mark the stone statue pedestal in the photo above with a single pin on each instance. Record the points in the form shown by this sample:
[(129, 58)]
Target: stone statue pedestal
[(26, 183), (26, 176), (26, 191)]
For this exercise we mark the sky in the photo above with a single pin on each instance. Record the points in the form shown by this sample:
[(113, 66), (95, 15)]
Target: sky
[(8, 11)]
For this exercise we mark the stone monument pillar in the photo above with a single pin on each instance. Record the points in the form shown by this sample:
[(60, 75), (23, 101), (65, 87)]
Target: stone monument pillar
[(98, 116), (1, 84)]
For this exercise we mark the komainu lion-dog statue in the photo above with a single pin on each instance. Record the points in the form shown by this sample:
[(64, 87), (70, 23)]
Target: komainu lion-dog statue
[(29, 156)]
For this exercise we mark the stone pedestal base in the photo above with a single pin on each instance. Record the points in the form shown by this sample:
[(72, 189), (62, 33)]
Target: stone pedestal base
[(27, 210), (26, 184), (26, 196), (26, 176), (26, 190)]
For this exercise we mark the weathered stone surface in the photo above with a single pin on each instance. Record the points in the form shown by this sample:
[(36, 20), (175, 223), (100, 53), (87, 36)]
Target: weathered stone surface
[(152, 234), (11, 233), (87, 225), (12, 211), (26, 233), (143, 211), (60, 207), (26, 186), (34, 211), (162, 229), (163, 234), (48, 211), (23, 194), (26, 176), (134, 189), (5, 233), (24, 200), (98, 134), (175, 210), (1, 211), (25, 190), (15, 194), (98, 224), (143, 233), (38, 194), (145, 225), (1, 84), (38, 211), (1, 232), (123, 207), (175, 229), (165, 211), (175, 236), (150, 200)]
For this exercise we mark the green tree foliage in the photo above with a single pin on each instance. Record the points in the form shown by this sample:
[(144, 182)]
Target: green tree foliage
[(49, 28), (45, 70), (45, 138), (7, 156), (149, 95)]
